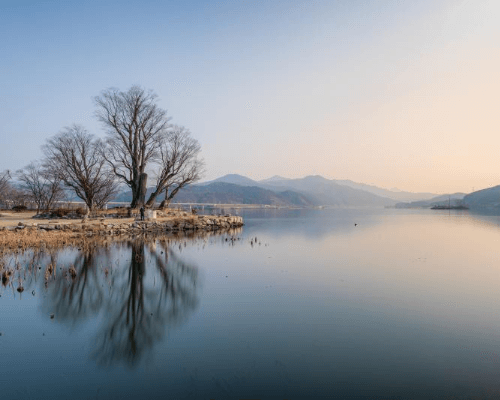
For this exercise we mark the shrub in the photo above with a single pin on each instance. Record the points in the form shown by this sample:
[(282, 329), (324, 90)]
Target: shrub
[(19, 208), (80, 211), (61, 212)]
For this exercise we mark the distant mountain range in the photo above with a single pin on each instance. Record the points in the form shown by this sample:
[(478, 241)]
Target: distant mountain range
[(277, 183), (310, 191), (228, 193), (313, 191)]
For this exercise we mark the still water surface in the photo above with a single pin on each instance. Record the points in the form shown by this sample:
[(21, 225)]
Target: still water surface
[(302, 304)]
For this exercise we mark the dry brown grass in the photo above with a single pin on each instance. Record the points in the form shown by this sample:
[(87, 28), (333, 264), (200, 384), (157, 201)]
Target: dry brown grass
[(28, 238), (12, 242)]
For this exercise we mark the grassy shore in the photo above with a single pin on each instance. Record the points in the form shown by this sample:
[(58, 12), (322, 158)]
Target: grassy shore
[(75, 232)]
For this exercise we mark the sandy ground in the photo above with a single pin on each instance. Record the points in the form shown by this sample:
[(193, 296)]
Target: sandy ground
[(9, 218)]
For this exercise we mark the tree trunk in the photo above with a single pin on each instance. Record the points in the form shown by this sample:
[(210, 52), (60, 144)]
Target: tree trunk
[(141, 193), (165, 203), (152, 198), (90, 206)]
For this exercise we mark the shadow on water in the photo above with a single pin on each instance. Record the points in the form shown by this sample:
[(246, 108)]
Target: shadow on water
[(136, 290)]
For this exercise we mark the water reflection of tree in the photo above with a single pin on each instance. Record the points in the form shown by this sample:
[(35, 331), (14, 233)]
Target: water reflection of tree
[(77, 292), (147, 294)]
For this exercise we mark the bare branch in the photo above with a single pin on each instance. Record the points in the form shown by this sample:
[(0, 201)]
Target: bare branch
[(5, 186), (43, 186), (179, 164), (135, 127), (78, 160)]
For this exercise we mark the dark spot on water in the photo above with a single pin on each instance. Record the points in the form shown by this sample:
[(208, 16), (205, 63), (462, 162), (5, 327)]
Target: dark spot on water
[(20, 289), (51, 316)]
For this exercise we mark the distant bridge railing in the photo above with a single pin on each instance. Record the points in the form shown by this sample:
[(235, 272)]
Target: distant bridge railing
[(7, 204)]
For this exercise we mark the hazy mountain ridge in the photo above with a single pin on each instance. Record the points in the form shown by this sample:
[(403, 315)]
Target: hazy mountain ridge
[(309, 191), (454, 199), (320, 191), (279, 183), (328, 193), (399, 195), (229, 193), (235, 179), (484, 199)]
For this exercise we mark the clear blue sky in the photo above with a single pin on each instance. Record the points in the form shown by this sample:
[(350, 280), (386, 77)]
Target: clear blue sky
[(366, 90)]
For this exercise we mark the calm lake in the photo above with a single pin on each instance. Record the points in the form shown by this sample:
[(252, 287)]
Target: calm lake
[(298, 304)]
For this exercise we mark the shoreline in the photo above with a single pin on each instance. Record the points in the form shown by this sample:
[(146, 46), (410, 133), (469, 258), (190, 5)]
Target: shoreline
[(17, 233)]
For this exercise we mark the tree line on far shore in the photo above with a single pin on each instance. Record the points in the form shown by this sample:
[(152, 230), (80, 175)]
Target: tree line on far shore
[(139, 141)]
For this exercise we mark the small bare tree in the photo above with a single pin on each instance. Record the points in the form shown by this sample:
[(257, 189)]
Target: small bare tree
[(77, 159), (4, 185), (4, 180), (135, 127), (19, 196), (43, 187), (179, 164)]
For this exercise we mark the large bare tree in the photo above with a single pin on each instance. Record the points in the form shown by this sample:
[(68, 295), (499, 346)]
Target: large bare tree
[(43, 186), (135, 127), (179, 164), (77, 158)]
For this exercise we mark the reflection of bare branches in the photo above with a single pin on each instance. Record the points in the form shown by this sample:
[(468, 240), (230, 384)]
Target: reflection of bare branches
[(79, 294), (138, 321), (179, 279), (139, 289)]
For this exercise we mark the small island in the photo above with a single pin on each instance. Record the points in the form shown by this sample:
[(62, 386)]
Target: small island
[(450, 207)]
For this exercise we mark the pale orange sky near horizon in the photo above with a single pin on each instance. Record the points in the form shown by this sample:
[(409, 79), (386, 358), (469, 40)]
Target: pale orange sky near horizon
[(429, 121)]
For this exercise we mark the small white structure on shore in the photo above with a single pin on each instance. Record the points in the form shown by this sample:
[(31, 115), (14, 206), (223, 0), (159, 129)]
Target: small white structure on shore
[(150, 214)]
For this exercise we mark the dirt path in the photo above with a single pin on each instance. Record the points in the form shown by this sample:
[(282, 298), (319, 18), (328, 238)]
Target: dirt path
[(8, 218)]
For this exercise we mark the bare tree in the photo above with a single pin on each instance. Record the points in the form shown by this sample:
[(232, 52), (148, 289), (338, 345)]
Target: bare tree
[(18, 196), (77, 159), (179, 164), (43, 186), (4, 180), (5, 187), (135, 127)]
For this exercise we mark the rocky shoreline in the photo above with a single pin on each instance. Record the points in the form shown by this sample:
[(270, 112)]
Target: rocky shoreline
[(105, 227)]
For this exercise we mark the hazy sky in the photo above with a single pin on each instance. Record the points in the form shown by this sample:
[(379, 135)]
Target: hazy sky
[(395, 93)]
